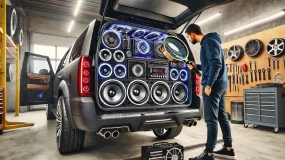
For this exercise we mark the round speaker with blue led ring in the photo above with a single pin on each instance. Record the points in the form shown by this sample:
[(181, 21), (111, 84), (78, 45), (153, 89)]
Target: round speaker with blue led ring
[(174, 74), (119, 56), (105, 55), (105, 70), (138, 33), (179, 92), (111, 39), (183, 75), (143, 47), (120, 71)]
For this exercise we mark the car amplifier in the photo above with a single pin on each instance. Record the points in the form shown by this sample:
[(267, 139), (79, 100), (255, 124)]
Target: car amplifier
[(162, 151)]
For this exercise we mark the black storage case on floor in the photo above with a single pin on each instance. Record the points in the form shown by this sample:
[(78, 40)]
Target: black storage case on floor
[(265, 107)]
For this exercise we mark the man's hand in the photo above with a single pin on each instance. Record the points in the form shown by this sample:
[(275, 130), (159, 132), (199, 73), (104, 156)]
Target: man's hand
[(190, 67), (208, 90)]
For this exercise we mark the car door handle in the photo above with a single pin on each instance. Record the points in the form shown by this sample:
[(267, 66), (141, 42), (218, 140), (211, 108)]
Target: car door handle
[(59, 77)]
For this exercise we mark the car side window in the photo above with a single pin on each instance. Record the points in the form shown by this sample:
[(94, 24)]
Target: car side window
[(76, 50), (63, 61)]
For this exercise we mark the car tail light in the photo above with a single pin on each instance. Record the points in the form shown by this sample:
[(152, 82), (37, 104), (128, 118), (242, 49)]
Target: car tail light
[(197, 84), (84, 75)]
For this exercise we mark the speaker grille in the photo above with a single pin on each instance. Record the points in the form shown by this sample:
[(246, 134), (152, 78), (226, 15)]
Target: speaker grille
[(138, 92), (174, 74), (105, 70), (183, 75), (112, 93), (120, 71), (160, 93), (111, 39), (179, 93), (119, 56), (105, 55)]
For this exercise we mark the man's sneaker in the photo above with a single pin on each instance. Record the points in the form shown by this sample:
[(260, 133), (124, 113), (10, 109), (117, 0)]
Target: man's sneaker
[(224, 153), (203, 156)]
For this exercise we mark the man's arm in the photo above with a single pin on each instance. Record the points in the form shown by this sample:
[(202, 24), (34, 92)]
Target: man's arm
[(213, 52)]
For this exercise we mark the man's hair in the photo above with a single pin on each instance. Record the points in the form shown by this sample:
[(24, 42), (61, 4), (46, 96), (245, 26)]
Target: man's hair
[(193, 28)]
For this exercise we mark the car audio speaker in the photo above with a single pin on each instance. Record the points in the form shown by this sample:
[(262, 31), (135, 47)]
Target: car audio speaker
[(119, 56), (120, 71), (111, 39), (137, 69), (105, 55), (179, 93), (157, 52), (183, 75), (105, 70), (112, 93), (174, 74), (143, 48), (138, 92), (160, 93)]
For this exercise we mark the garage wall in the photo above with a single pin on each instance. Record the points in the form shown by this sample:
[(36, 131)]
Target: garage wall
[(237, 14), (46, 31)]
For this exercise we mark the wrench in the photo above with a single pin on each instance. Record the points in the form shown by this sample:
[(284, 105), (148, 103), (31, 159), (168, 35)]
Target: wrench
[(246, 78), (259, 74), (233, 78), (277, 63), (230, 83), (251, 63), (255, 75), (268, 70), (251, 76), (269, 62), (230, 67), (237, 78), (273, 60), (242, 77), (263, 72), (284, 62), (254, 65)]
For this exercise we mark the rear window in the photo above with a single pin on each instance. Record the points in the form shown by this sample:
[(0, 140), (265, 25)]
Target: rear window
[(166, 8), (76, 50)]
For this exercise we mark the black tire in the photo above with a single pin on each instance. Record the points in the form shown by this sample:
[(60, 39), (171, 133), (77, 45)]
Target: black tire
[(1, 131), (9, 74), (11, 20), (49, 113), (169, 133), (19, 36), (68, 139)]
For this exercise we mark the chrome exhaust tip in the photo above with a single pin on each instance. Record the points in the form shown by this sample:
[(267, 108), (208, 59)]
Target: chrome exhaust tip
[(115, 134), (106, 134)]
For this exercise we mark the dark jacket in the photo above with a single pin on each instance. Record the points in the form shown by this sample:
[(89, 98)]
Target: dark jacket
[(213, 62)]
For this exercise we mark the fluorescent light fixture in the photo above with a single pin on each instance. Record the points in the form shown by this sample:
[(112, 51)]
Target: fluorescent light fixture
[(209, 19), (274, 16), (77, 7), (70, 26)]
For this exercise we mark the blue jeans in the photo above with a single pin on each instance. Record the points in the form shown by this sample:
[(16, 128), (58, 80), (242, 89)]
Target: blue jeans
[(214, 112)]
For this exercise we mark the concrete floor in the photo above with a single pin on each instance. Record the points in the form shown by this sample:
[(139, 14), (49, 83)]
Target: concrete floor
[(38, 142)]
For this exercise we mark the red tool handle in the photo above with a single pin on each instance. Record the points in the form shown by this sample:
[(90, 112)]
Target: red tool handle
[(245, 68)]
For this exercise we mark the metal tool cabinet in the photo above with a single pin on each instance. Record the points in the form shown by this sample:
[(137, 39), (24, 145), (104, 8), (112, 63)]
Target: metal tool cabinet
[(264, 107)]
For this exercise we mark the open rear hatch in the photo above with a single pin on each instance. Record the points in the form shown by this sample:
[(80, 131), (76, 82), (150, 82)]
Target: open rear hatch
[(164, 14)]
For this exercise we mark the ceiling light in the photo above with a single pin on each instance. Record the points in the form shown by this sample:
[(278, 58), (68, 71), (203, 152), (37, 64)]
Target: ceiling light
[(209, 19), (77, 7), (70, 26), (274, 16)]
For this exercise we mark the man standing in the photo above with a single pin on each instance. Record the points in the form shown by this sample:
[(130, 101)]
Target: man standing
[(214, 82)]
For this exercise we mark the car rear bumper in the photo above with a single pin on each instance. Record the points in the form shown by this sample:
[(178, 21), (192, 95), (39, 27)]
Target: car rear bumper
[(84, 117)]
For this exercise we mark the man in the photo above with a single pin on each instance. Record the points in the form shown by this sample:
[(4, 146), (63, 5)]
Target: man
[(214, 82)]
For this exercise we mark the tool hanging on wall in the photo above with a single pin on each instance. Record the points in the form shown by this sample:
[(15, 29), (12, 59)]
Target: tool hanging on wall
[(273, 60), (233, 76), (241, 68), (237, 78), (268, 71), (230, 83), (244, 67), (269, 61), (246, 78), (255, 75), (242, 78), (263, 73), (259, 74), (284, 62), (230, 67), (255, 65), (238, 70), (250, 67), (277, 63), (251, 76)]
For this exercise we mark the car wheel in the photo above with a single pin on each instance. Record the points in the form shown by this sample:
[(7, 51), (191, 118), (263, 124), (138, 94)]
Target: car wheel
[(167, 133), (49, 113), (12, 20), (68, 139)]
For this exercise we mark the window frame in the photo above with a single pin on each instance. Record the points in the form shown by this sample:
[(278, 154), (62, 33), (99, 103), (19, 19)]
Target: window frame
[(64, 61)]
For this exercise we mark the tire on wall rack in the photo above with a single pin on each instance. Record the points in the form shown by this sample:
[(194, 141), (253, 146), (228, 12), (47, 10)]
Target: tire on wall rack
[(235, 52), (167, 133), (276, 47), (254, 47), (9, 73), (68, 139), (11, 20), (19, 36)]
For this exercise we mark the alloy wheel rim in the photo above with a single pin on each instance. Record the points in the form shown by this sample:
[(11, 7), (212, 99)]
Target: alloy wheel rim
[(161, 131), (58, 123)]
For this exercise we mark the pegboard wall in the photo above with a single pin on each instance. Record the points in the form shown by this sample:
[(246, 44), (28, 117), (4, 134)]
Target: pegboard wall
[(236, 86)]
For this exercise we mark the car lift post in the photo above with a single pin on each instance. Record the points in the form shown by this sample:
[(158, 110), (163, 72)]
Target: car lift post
[(6, 124)]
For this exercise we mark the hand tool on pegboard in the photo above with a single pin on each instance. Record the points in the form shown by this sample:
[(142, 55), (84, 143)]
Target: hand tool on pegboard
[(273, 60), (284, 62), (259, 74), (241, 68), (233, 76), (255, 75), (238, 70), (246, 78), (251, 75), (255, 65), (230, 83), (268, 71), (250, 67), (230, 67), (234, 69), (242, 78), (236, 78), (269, 61), (244, 67), (277, 61), (264, 74)]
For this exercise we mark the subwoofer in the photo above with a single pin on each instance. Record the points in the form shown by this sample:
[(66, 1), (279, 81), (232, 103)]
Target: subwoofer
[(112, 93), (119, 56), (183, 75), (120, 71), (111, 39), (174, 74), (105, 70), (157, 52), (160, 93), (105, 55), (138, 92), (179, 93)]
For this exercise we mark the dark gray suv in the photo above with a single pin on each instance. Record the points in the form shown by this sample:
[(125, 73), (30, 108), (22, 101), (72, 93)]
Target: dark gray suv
[(115, 77)]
